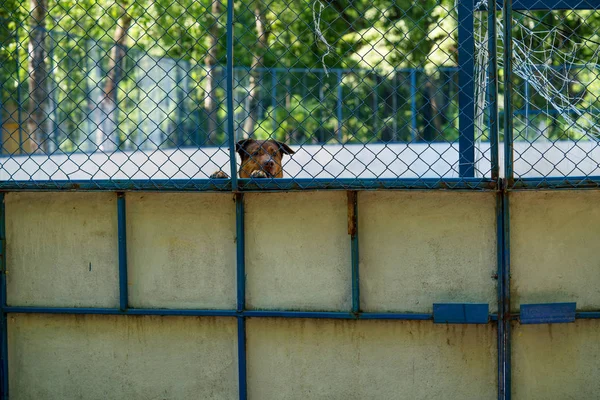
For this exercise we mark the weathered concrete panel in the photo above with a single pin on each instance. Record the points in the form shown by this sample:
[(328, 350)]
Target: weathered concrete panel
[(329, 359), (181, 250), (62, 249), (298, 251), (115, 357), (556, 361), (554, 248), (420, 248)]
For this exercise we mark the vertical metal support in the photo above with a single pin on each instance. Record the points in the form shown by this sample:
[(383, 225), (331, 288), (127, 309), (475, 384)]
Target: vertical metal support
[(122, 235), (466, 103), (242, 379), (376, 106), (492, 89), (274, 99), (19, 100), (241, 292), (527, 109), (52, 95), (229, 100), (413, 104), (339, 106), (505, 373), (3, 319), (353, 232), (508, 89), (395, 106)]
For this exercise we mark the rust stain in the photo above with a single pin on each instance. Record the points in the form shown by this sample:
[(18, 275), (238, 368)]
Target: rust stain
[(351, 213)]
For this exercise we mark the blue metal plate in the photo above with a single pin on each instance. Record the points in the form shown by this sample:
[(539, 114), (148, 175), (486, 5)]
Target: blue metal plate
[(549, 313), (460, 313)]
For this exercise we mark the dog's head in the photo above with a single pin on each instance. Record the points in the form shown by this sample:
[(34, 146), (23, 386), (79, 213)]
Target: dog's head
[(262, 155)]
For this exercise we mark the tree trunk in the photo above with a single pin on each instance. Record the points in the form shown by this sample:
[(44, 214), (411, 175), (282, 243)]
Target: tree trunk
[(106, 131), (262, 36), (209, 63), (39, 123)]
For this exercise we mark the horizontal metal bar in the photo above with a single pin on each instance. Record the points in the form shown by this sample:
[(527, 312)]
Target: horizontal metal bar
[(587, 315), (367, 184), (547, 5), (183, 185), (550, 313), (575, 182), (116, 311), (460, 313), (228, 313), (224, 185)]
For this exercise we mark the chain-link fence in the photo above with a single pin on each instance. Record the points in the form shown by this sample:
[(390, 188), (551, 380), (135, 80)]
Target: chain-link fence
[(134, 94)]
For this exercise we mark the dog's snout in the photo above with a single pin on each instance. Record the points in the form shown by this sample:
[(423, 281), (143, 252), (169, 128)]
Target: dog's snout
[(269, 164)]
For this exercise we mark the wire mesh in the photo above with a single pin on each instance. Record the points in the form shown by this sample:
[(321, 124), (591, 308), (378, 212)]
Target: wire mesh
[(555, 97), (132, 94)]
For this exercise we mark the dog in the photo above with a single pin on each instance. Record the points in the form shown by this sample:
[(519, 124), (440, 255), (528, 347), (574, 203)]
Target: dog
[(260, 159)]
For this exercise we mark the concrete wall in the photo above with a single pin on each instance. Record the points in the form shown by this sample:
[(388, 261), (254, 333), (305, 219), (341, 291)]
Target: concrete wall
[(415, 249), (421, 248), (181, 250), (298, 251), (62, 249), (116, 357), (554, 248), (556, 361)]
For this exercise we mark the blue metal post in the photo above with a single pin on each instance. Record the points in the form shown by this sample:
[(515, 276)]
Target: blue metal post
[(339, 106), (492, 89), (353, 232), (274, 99), (508, 90), (122, 234), (229, 100), (3, 320), (527, 109), (508, 182), (19, 100), (466, 62), (241, 292), (53, 94), (413, 104), (242, 379)]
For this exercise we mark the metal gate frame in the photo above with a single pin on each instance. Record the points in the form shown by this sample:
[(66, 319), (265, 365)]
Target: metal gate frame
[(502, 188)]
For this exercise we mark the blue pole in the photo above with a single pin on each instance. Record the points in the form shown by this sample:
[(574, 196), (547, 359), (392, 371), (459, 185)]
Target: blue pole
[(242, 378), (230, 109), (508, 89), (241, 292), (492, 89), (413, 104), (466, 61), (526, 109), (274, 100), (3, 320), (353, 232), (122, 238), (19, 100), (339, 106)]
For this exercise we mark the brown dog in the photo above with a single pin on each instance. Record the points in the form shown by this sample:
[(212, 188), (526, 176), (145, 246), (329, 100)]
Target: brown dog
[(260, 159)]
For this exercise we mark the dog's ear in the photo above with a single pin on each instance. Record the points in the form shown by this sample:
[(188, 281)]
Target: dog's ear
[(284, 148), (240, 147)]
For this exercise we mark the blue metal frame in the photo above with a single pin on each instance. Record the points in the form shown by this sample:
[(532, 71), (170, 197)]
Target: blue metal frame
[(3, 320), (466, 102), (122, 238), (249, 185)]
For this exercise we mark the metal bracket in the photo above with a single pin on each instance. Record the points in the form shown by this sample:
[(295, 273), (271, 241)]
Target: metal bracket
[(548, 313), (460, 313)]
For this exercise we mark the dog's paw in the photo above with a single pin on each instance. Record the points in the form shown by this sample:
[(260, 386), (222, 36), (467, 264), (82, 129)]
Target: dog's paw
[(258, 174), (219, 175)]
